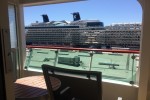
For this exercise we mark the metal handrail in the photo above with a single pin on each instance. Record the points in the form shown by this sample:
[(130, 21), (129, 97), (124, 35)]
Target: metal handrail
[(85, 49)]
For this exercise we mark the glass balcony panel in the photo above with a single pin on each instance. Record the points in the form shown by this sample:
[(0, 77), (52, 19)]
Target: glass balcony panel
[(73, 59), (37, 56), (113, 65), (135, 66), (85, 59)]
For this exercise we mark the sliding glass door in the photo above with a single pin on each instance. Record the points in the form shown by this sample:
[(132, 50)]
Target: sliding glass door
[(13, 39)]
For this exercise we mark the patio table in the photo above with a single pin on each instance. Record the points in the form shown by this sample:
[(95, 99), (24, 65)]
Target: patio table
[(34, 87)]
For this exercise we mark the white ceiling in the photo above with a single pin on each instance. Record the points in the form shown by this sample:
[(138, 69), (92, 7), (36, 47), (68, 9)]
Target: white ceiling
[(42, 2)]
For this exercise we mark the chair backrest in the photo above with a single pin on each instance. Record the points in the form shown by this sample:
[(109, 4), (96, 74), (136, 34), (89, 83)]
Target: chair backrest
[(85, 85)]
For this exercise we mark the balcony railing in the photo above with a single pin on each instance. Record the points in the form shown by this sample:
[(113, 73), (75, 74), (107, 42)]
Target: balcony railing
[(121, 65)]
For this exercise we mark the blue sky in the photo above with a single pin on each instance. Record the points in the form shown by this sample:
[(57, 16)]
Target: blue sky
[(107, 11)]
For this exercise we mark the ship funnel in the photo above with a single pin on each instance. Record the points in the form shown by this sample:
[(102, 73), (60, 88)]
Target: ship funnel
[(76, 16), (45, 18)]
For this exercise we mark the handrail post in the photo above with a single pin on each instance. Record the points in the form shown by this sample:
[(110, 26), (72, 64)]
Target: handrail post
[(133, 58), (29, 58), (128, 59), (91, 54), (56, 53)]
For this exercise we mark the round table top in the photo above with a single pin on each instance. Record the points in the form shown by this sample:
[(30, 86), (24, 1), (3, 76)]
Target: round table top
[(34, 86)]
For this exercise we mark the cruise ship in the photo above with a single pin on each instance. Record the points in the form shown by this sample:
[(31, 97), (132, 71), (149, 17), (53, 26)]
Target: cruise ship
[(83, 33)]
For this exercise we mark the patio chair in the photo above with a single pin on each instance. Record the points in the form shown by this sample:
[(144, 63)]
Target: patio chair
[(75, 84)]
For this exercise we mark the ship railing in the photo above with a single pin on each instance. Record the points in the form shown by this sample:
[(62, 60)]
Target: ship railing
[(119, 65)]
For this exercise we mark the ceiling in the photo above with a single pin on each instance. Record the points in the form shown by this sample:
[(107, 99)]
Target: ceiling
[(42, 2)]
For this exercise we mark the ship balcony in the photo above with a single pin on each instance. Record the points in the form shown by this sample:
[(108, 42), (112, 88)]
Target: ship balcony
[(115, 65)]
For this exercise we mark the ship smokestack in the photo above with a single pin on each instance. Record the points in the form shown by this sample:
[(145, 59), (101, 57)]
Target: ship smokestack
[(45, 18), (76, 16)]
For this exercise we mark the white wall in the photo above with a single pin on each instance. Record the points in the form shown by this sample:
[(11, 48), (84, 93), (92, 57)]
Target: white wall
[(111, 91), (6, 50), (144, 82), (41, 2)]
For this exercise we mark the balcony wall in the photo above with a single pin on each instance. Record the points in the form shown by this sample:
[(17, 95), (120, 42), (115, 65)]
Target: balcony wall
[(111, 91), (112, 88)]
